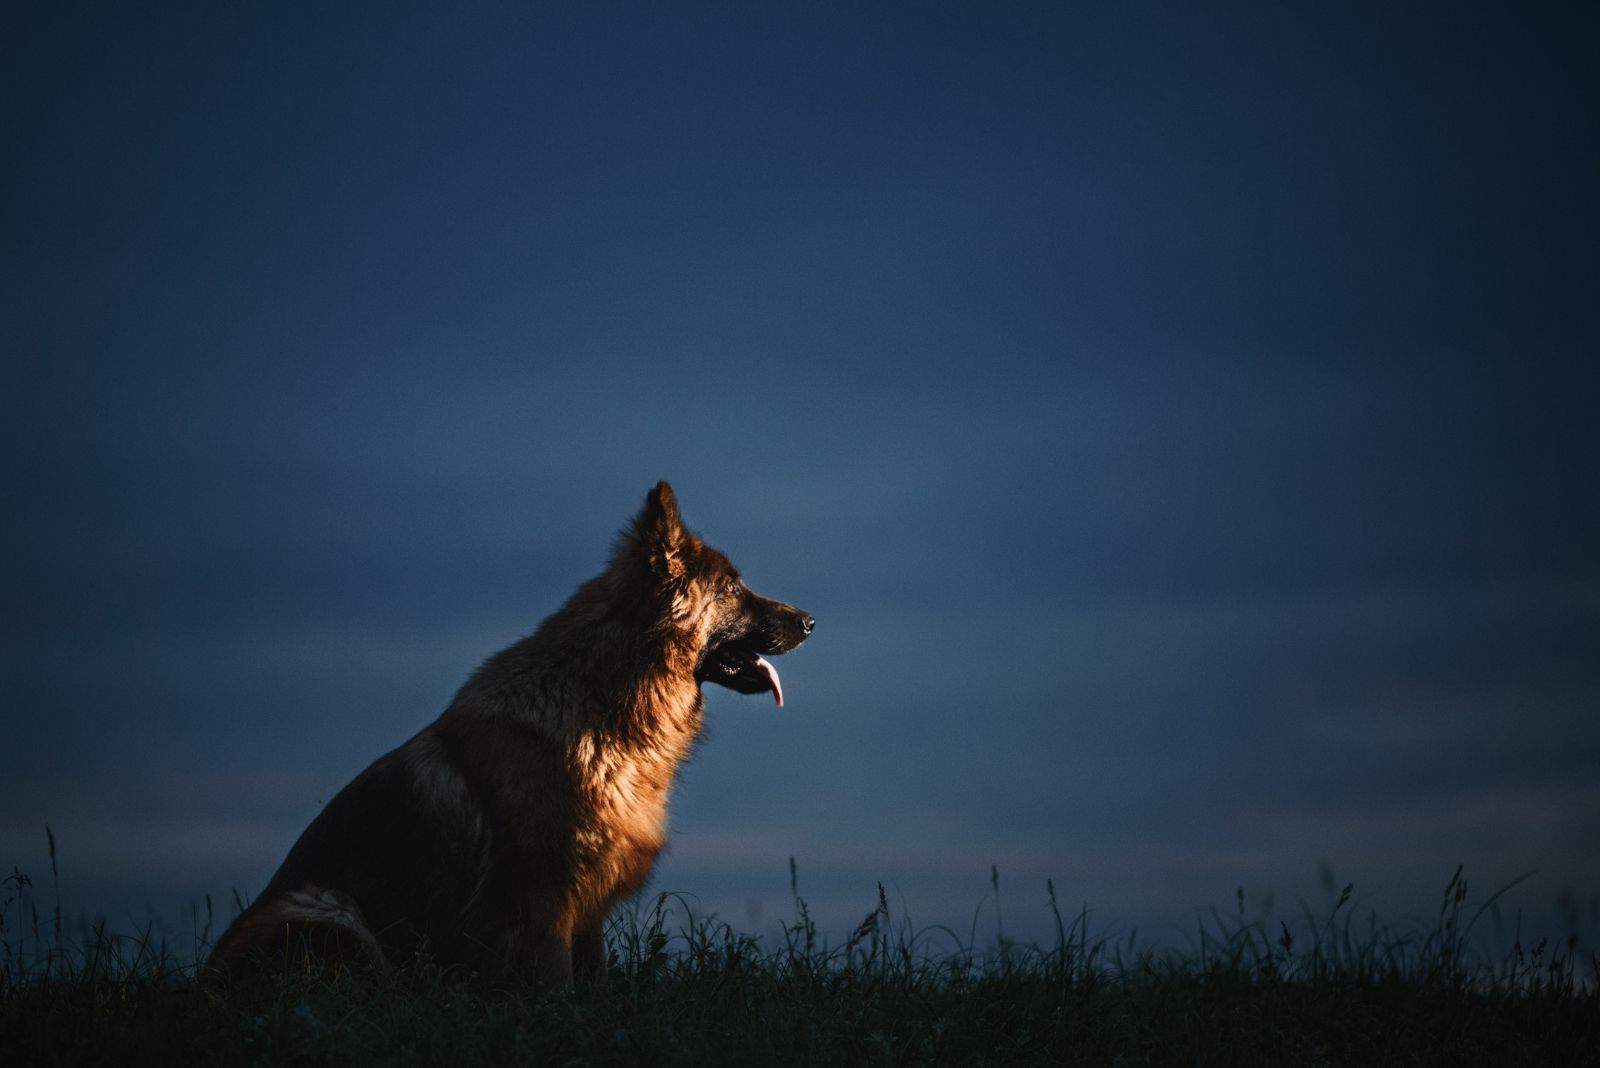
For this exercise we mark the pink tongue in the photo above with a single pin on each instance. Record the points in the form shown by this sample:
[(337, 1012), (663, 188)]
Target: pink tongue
[(772, 678)]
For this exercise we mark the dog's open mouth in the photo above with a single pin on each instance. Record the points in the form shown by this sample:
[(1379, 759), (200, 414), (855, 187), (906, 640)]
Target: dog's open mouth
[(741, 668)]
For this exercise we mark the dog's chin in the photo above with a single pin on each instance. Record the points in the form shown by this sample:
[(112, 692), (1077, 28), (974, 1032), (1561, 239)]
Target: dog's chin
[(739, 667)]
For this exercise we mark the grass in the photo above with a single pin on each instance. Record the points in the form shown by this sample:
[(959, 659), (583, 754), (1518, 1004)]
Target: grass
[(687, 989)]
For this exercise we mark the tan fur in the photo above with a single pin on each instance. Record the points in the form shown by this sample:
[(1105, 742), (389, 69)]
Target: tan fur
[(503, 833)]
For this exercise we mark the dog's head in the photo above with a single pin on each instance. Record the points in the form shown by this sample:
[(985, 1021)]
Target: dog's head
[(725, 629)]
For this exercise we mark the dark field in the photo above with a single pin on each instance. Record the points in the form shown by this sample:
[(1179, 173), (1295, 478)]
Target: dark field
[(1329, 989)]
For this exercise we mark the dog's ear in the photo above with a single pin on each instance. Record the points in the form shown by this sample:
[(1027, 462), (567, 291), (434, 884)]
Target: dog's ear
[(659, 532)]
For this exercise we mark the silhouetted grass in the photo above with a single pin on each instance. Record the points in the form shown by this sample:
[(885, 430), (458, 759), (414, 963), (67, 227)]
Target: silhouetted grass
[(689, 989)]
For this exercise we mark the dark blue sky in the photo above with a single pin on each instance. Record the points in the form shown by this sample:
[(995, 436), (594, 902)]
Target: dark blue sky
[(1181, 423)]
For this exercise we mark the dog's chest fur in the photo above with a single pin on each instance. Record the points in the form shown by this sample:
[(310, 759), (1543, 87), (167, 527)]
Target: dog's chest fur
[(626, 780)]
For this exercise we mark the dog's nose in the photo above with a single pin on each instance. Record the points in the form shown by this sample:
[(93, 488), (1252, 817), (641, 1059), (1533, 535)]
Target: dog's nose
[(806, 623)]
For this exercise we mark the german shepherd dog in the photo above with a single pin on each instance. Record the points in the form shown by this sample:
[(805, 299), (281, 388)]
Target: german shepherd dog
[(503, 833)]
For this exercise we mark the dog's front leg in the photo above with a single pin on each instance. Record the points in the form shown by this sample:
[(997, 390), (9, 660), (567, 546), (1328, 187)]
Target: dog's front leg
[(589, 952), (547, 956), (540, 950)]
